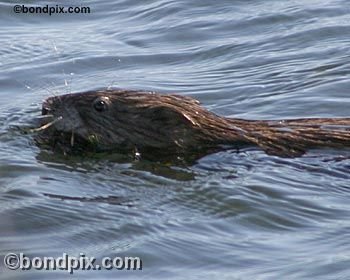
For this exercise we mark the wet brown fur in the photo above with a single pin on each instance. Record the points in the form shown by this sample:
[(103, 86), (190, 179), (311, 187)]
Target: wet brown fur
[(148, 121)]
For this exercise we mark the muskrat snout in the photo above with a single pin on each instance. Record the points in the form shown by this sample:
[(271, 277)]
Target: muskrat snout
[(45, 110), (46, 107)]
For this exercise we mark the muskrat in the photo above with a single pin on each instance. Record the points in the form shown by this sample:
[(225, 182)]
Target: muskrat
[(149, 122)]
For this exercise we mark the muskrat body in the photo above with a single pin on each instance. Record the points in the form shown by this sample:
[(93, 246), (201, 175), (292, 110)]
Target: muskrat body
[(148, 122)]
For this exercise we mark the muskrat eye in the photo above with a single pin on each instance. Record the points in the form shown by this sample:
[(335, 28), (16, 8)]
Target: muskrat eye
[(100, 105)]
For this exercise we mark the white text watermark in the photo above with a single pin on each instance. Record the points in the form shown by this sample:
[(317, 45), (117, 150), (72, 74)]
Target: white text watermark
[(70, 264)]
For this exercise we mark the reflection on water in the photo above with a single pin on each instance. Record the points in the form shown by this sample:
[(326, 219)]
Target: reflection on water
[(228, 215)]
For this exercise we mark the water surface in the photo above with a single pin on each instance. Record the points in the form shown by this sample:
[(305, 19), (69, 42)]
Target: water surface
[(229, 215)]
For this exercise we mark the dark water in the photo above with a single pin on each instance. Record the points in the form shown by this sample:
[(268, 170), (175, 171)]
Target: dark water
[(229, 215)]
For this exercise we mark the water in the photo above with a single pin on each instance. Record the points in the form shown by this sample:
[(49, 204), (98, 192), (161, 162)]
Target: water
[(227, 216)]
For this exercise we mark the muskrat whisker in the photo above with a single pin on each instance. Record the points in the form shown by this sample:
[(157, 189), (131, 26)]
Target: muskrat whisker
[(46, 125), (45, 116)]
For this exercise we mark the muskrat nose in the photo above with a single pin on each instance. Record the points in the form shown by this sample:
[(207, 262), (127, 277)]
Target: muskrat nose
[(45, 110), (46, 107)]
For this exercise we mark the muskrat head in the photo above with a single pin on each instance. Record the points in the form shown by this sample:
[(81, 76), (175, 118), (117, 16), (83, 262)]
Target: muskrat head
[(78, 122), (116, 119)]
